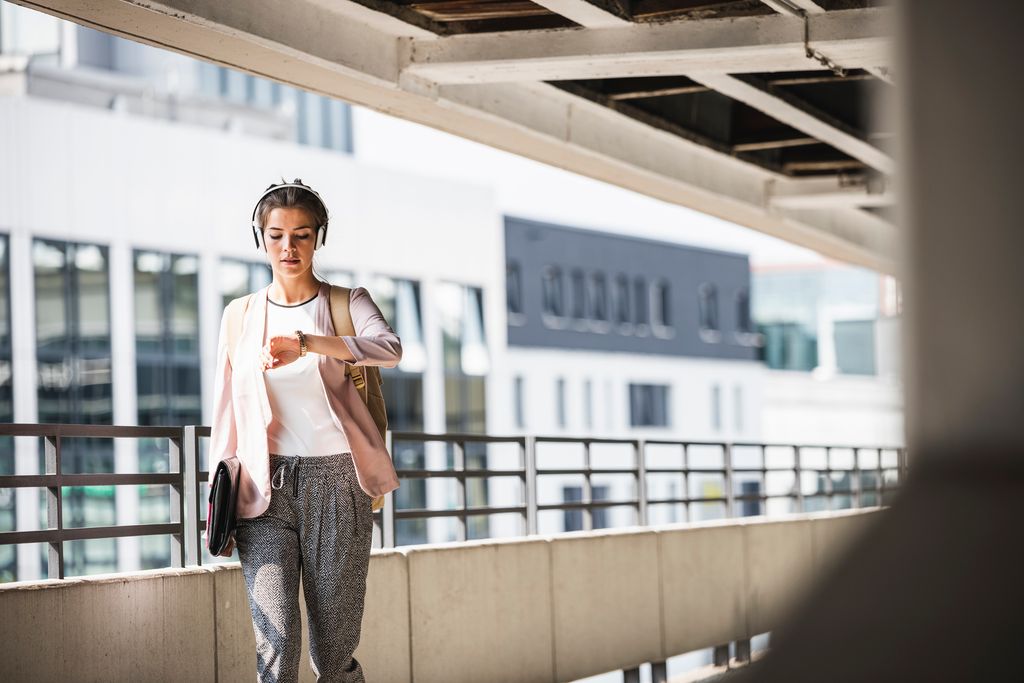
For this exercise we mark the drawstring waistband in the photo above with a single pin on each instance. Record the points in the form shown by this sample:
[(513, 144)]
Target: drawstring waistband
[(312, 462), (281, 465)]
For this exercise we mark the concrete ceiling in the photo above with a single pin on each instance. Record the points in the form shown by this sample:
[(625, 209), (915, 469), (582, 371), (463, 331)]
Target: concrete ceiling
[(759, 112)]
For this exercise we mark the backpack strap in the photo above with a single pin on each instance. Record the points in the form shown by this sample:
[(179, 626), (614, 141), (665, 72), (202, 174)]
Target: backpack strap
[(235, 312), (342, 319)]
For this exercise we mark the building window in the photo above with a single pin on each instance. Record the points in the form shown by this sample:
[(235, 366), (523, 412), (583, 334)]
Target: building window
[(167, 363), (622, 315), (513, 290), (641, 301), (648, 405), (518, 402), (399, 302), (74, 366), (238, 278), (560, 402), (708, 311), (572, 520), (554, 296), (578, 296), (716, 407), (855, 346), (744, 324), (598, 295), (662, 303)]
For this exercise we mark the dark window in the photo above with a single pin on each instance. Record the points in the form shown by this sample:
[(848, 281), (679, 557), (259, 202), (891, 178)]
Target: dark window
[(167, 341), (648, 405), (74, 365), (554, 297), (572, 520), (513, 288), (662, 303), (789, 346), (577, 287), (622, 299), (642, 300), (743, 322), (708, 299), (598, 292)]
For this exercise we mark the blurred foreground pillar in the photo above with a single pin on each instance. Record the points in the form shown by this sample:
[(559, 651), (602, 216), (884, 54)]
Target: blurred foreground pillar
[(934, 592)]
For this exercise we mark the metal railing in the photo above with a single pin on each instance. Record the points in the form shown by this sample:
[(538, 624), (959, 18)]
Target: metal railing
[(185, 478)]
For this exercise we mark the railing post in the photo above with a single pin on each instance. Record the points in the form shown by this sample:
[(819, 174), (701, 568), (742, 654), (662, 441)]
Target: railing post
[(659, 672), (730, 495), (858, 499), (631, 675), (720, 656), (743, 650), (798, 472), (177, 505), (460, 491), (387, 517), (190, 471), (640, 447), (829, 489), (54, 507), (588, 489), (686, 482), (530, 483)]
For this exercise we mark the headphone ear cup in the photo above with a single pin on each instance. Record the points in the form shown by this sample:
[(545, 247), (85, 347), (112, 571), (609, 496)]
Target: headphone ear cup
[(321, 236)]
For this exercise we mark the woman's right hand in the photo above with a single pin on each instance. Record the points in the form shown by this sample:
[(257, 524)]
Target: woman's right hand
[(228, 549)]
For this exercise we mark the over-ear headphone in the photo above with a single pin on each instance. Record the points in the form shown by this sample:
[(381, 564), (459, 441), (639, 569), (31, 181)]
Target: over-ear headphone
[(321, 230)]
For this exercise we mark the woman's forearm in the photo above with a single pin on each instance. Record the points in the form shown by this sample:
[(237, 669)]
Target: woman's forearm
[(328, 346)]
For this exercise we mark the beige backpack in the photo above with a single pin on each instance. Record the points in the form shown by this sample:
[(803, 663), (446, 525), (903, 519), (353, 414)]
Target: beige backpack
[(363, 377)]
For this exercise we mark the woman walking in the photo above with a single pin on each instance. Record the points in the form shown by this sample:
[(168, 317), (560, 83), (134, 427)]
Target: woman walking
[(312, 459)]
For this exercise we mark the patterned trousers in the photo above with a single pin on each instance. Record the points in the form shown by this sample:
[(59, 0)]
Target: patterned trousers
[(319, 527)]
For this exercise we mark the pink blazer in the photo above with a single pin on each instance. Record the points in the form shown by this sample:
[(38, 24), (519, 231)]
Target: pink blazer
[(242, 410)]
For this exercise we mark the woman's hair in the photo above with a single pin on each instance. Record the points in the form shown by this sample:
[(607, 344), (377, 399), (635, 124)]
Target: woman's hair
[(293, 197)]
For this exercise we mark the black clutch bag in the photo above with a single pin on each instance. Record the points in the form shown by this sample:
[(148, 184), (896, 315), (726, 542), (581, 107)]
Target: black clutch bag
[(221, 514)]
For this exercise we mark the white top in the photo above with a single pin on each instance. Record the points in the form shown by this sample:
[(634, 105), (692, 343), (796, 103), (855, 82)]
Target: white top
[(302, 422)]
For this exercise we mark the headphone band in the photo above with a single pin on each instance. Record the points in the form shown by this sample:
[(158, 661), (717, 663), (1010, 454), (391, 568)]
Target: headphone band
[(297, 183)]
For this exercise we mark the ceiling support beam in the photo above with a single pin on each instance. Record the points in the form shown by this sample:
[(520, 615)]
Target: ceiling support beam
[(826, 193), (788, 109), (854, 38), (585, 13)]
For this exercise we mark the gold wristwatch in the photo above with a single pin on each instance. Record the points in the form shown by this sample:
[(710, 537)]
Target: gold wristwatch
[(302, 342)]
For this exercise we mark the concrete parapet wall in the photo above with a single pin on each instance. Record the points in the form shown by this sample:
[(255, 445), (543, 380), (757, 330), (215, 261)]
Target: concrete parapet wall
[(539, 608)]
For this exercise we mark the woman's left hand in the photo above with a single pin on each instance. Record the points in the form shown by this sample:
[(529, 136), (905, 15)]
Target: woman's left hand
[(279, 351)]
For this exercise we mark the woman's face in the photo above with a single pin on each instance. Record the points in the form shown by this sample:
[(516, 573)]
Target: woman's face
[(289, 234)]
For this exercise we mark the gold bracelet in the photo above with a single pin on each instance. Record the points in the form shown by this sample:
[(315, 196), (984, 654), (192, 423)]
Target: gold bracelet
[(302, 342)]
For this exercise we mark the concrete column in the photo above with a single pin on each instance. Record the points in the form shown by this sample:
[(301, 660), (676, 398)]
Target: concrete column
[(433, 407), (26, 405), (122, 348), (963, 144)]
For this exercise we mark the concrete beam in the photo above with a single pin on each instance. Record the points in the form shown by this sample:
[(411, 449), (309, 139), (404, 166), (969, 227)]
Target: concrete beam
[(736, 45), (826, 193)]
